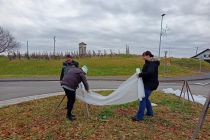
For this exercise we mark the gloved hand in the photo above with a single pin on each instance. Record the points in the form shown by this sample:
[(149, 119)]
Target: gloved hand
[(140, 74)]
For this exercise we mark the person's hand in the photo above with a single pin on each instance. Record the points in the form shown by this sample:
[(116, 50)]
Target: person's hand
[(140, 74)]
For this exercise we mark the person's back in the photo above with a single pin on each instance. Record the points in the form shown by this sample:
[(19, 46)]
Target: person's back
[(70, 83), (72, 63), (150, 74), (67, 65), (73, 78)]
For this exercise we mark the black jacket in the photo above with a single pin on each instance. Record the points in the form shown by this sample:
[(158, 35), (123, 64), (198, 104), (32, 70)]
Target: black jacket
[(74, 77), (73, 63), (149, 74)]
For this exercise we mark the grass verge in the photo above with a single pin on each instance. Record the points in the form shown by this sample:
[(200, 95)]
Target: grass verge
[(174, 119), (98, 66)]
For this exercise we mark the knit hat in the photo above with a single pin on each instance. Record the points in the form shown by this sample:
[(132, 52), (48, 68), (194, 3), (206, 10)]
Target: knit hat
[(69, 56)]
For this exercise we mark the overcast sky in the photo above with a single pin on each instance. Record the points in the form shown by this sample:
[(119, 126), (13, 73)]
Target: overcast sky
[(104, 24)]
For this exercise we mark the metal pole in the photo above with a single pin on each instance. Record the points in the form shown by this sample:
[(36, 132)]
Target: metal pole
[(60, 103), (182, 89), (54, 46), (190, 92), (201, 118), (200, 63), (196, 50), (160, 33), (27, 51), (27, 47), (165, 63), (169, 52)]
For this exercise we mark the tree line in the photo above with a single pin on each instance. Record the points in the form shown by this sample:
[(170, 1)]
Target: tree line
[(9, 45), (45, 55)]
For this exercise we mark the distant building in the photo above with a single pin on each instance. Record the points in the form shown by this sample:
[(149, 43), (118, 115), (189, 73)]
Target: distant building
[(204, 55), (82, 49)]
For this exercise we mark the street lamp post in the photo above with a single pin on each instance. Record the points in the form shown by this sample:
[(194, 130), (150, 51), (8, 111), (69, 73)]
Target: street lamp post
[(161, 33)]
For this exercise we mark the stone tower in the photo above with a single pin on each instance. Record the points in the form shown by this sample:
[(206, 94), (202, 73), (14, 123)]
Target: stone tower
[(82, 49)]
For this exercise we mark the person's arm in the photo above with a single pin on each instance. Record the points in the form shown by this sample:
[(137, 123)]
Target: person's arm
[(62, 74), (150, 71), (84, 81), (76, 64)]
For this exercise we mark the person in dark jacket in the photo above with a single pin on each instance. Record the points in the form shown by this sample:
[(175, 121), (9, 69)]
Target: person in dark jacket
[(149, 76), (70, 83), (69, 62)]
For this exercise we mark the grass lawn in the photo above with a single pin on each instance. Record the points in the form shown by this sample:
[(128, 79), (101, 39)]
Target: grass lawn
[(174, 119), (123, 65)]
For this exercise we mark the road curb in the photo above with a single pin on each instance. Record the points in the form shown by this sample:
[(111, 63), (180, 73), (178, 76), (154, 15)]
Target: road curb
[(27, 98), (35, 97), (106, 79)]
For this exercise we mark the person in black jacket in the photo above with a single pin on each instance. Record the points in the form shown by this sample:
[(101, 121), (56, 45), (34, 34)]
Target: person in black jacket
[(68, 63), (149, 76), (70, 83)]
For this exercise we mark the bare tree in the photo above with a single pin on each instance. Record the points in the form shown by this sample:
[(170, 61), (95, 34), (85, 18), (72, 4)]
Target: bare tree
[(7, 41)]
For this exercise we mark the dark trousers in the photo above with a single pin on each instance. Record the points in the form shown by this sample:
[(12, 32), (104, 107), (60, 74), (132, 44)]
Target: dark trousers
[(70, 100), (145, 104)]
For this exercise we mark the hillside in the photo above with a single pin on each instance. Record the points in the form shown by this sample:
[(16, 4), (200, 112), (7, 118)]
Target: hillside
[(98, 66)]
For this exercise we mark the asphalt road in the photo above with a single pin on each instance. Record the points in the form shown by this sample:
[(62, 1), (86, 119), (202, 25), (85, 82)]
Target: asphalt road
[(11, 90)]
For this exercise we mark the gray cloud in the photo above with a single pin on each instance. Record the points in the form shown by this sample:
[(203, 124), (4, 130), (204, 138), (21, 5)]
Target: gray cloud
[(108, 24)]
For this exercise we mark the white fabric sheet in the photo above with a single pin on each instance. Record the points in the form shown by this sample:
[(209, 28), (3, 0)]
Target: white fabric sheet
[(130, 90), (198, 98)]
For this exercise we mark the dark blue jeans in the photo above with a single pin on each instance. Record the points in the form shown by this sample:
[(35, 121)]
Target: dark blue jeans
[(145, 103)]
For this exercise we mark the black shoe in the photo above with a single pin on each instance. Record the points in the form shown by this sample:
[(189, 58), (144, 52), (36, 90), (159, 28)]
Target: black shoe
[(135, 119), (150, 115), (71, 118), (69, 114), (73, 115)]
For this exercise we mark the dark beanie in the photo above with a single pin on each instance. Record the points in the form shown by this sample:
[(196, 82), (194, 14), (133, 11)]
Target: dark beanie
[(69, 56), (148, 53)]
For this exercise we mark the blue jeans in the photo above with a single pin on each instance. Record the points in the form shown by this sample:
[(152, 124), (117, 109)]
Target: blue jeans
[(145, 103)]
